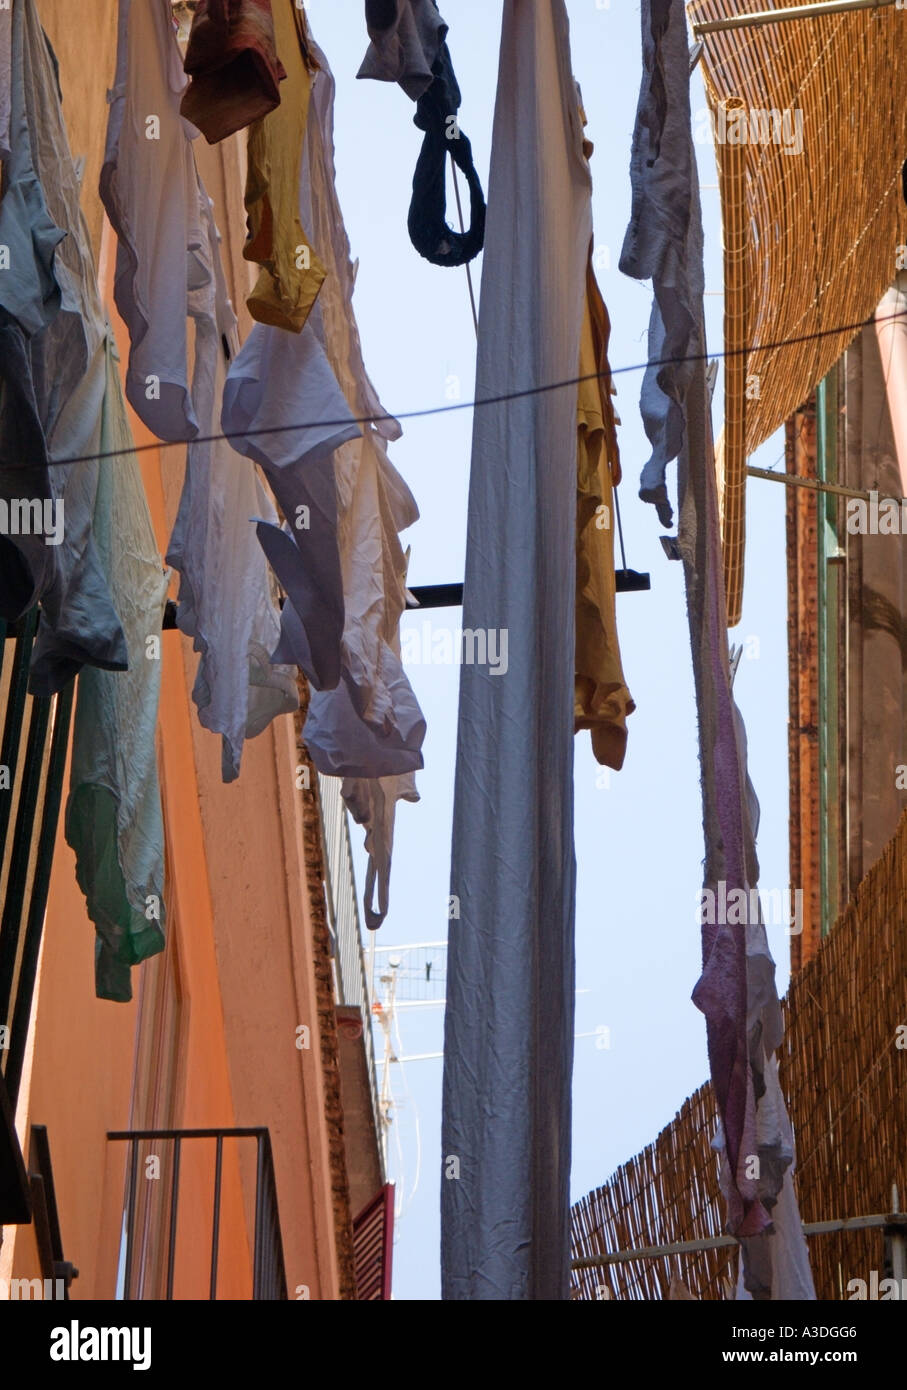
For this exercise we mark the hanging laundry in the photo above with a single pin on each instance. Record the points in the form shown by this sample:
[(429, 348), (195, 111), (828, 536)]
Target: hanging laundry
[(233, 67), (53, 319), (408, 46), (370, 729), (291, 273), (602, 700), (225, 600), (736, 990), (52, 379), (277, 381), (508, 1045), (6, 41), (168, 270), (149, 188), (656, 247), (406, 38), (113, 814)]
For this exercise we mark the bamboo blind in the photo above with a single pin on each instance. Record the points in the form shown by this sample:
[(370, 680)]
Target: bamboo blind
[(821, 226), (845, 1078), (731, 453), (825, 224)]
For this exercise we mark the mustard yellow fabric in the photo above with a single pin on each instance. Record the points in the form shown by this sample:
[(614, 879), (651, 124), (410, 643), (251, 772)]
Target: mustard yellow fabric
[(602, 700), (291, 273)]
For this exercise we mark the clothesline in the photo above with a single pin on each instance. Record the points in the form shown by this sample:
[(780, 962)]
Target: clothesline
[(498, 399)]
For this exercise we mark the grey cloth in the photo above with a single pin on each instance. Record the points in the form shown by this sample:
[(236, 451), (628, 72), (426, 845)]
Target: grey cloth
[(52, 379), (508, 1046), (659, 244), (277, 380), (406, 38)]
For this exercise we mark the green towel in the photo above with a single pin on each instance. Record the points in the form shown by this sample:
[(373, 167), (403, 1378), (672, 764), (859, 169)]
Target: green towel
[(113, 815)]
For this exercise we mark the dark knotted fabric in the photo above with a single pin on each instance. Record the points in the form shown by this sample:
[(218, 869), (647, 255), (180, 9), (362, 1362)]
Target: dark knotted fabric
[(232, 63), (408, 47), (436, 114)]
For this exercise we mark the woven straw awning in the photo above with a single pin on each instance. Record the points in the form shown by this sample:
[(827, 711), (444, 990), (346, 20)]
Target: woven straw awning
[(823, 209)]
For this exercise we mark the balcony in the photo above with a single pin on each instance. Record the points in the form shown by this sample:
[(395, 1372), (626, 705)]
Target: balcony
[(170, 1171), (32, 766)]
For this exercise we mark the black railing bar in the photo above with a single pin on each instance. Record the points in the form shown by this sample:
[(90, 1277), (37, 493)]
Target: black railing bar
[(15, 713), (130, 1218), (39, 1156), (14, 904), (280, 1273), (40, 888), (215, 1236), (174, 1194), (258, 1258), (246, 1133)]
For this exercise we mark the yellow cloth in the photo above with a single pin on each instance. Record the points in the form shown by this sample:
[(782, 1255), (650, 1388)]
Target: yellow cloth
[(291, 273), (602, 700)]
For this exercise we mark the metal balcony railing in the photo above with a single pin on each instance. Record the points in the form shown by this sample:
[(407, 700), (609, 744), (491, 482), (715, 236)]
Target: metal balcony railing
[(269, 1281), (33, 746), (350, 969)]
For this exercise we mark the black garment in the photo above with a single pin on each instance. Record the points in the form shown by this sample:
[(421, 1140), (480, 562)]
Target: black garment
[(436, 114)]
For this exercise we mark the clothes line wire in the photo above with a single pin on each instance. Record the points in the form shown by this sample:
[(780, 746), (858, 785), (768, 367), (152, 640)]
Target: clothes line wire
[(500, 399)]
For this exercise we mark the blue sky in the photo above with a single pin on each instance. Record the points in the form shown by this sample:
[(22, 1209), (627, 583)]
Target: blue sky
[(638, 832)]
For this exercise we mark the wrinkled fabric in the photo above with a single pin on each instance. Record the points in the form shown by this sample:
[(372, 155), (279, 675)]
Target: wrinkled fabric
[(369, 730), (113, 814), (226, 603), (277, 381), (233, 67), (291, 272), (52, 376), (149, 189), (427, 222), (408, 47), (406, 38), (602, 700), (6, 44), (736, 990), (508, 1044), (659, 239)]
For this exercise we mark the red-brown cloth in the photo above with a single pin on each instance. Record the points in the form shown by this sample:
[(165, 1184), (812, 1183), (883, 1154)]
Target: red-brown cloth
[(232, 63)]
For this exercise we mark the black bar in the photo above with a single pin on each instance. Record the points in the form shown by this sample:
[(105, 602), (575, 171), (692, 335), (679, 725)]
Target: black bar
[(215, 1236), (248, 1133), (15, 713), (449, 595), (174, 1194), (39, 1158), (34, 926), (130, 1218), (631, 581), (14, 905), (258, 1261), (436, 596)]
